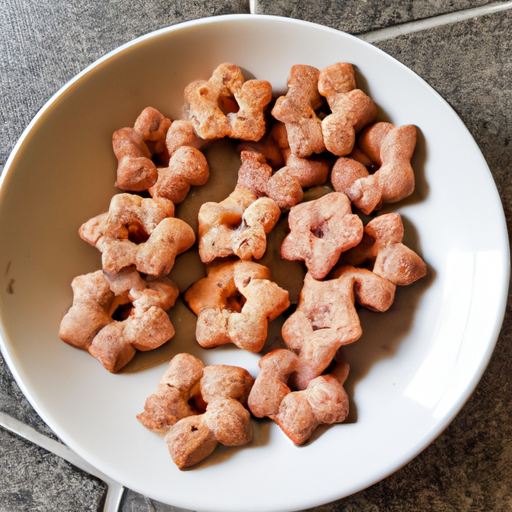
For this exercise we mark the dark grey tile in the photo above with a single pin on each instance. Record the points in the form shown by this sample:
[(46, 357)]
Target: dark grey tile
[(469, 63), (34, 480), (357, 16), (134, 502), (469, 467), (14, 403)]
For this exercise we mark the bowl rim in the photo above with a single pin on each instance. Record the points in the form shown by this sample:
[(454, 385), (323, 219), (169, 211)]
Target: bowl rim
[(8, 168)]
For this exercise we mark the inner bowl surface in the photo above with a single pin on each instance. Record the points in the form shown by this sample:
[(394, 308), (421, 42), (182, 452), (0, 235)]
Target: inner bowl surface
[(412, 370)]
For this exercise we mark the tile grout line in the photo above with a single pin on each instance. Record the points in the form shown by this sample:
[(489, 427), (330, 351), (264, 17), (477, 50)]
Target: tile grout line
[(435, 21), (416, 26)]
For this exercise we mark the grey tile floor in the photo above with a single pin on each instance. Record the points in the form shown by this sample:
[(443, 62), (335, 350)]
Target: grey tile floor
[(461, 48), (357, 17)]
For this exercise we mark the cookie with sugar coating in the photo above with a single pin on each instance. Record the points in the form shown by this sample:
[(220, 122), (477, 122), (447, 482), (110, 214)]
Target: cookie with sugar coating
[(138, 231), (297, 110), (234, 304), (298, 413), (351, 108), (391, 176), (236, 226), (326, 317), (320, 230), (135, 148), (113, 322), (227, 91), (382, 248)]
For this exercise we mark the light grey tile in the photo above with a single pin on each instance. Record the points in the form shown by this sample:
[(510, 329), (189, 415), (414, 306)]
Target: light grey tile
[(44, 44)]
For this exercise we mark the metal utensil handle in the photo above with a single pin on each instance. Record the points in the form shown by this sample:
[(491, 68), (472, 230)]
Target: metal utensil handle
[(114, 489)]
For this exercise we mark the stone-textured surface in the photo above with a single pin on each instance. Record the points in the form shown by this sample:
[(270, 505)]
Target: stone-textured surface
[(42, 45), (356, 16), (65, 37), (38, 481), (470, 65)]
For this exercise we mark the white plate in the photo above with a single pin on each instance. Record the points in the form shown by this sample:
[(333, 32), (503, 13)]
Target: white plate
[(413, 369)]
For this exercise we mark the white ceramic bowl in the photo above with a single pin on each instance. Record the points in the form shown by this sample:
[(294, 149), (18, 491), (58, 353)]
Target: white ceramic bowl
[(413, 369)]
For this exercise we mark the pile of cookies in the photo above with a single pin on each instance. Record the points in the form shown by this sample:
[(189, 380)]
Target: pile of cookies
[(321, 132), (123, 308), (197, 407)]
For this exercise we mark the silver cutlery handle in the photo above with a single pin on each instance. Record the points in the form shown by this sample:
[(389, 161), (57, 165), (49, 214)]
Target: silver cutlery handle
[(114, 489)]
